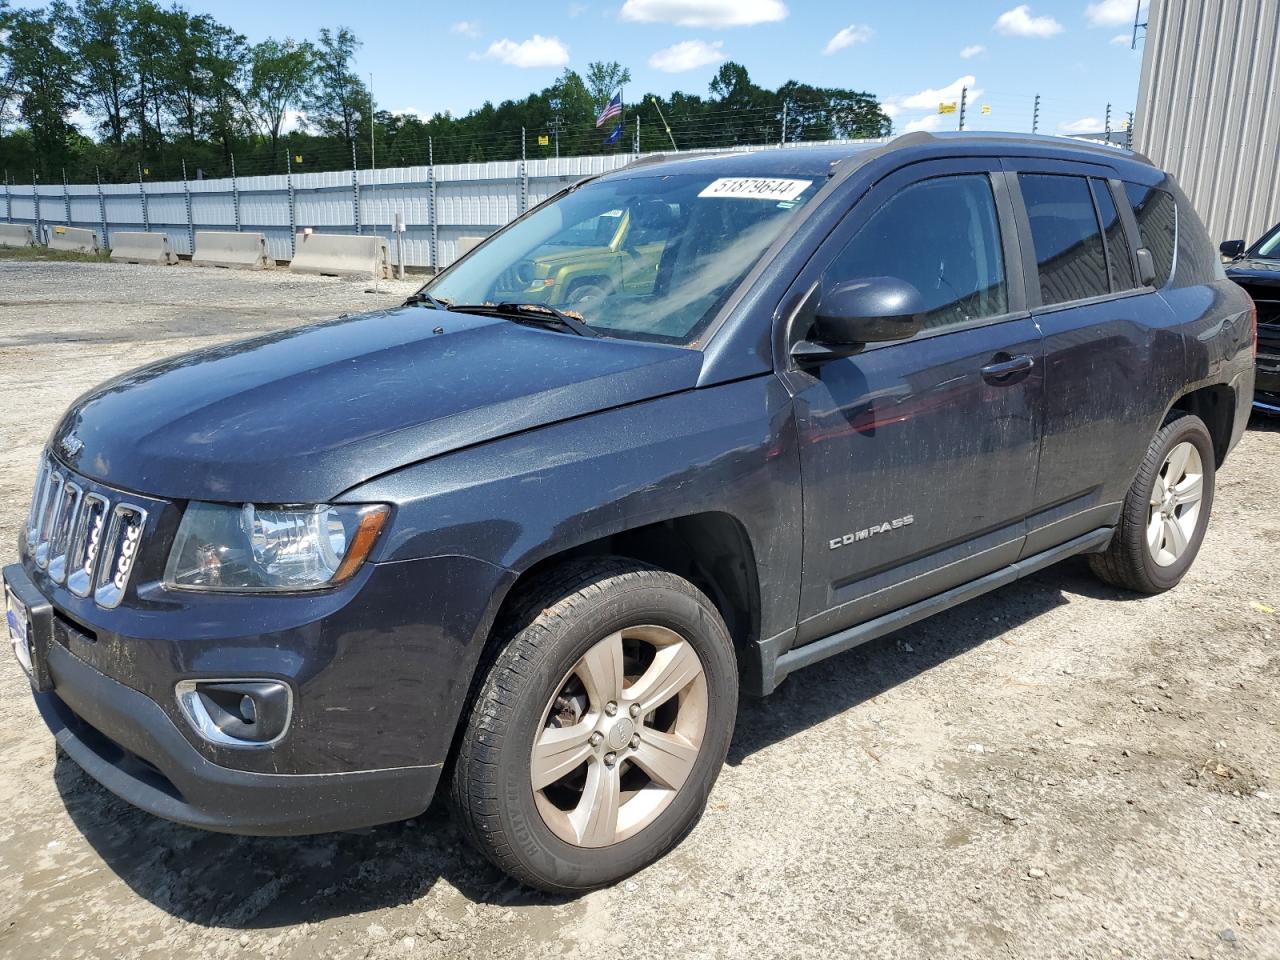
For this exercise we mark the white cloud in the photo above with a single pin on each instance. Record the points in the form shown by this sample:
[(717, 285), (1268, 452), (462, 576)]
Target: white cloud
[(1122, 39), (1111, 13), (934, 121), (1019, 22), (577, 10), (537, 51), (972, 51), (1083, 125), (854, 33), (687, 55), (468, 28), (927, 99), (705, 13), (890, 109)]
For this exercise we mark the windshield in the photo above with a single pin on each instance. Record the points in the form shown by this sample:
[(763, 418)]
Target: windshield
[(650, 258), (1270, 245)]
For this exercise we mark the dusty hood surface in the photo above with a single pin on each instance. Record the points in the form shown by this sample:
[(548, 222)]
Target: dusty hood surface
[(304, 414)]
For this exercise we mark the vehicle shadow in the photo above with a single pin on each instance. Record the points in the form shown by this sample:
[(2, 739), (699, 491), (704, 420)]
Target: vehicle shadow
[(247, 883), (811, 696), (234, 882)]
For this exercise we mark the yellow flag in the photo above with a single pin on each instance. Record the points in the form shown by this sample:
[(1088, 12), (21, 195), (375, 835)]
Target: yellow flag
[(947, 107), (543, 140)]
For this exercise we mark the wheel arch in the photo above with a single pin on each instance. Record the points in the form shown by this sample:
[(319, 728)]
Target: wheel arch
[(1215, 405), (710, 549)]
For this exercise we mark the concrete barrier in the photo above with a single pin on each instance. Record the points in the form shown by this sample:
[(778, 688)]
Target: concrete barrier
[(17, 235), (74, 239), (142, 248), (466, 244), (234, 251), (342, 255)]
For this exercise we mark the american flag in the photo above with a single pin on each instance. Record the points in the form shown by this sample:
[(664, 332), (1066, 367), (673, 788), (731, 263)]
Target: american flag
[(614, 109)]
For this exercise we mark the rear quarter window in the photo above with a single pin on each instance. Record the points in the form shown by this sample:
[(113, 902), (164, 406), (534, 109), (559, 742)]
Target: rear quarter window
[(1157, 216)]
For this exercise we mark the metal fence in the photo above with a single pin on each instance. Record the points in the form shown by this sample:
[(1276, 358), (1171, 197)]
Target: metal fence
[(439, 204)]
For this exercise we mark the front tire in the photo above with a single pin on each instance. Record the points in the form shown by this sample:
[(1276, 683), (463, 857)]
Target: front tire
[(1165, 513), (599, 727)]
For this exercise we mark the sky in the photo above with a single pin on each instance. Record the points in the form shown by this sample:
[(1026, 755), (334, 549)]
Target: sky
[(912, 54)]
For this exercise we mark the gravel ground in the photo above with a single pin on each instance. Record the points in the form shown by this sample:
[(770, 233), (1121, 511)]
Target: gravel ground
[(1055, 770)]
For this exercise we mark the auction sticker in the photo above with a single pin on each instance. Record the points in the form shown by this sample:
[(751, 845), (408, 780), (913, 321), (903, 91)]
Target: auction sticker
[(755, 188)]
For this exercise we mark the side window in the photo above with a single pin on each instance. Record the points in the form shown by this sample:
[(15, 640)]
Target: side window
[(1157, 217), (1066, 237), (1118, 254), (943, 237)]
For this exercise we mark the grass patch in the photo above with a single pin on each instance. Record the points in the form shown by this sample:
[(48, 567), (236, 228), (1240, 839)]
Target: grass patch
[(44, 253)]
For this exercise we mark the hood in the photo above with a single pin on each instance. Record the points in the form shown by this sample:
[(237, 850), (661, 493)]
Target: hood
[(301, 415), (1255, 268)]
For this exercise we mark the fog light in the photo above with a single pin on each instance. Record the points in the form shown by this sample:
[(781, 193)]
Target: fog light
[(237, 713)]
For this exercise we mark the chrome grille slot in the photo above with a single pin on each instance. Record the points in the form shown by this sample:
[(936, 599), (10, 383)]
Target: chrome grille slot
[(37, 503), (67, 516), (83, 549), (118, 551), (48, 518), (83, 535)]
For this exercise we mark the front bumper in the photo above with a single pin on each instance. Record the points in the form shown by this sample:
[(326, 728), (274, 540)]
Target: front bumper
[(379, 676), (125, 741)]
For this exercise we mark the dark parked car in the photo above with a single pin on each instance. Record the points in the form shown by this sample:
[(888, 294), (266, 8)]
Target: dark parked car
[(293, 584), (1257, 269)]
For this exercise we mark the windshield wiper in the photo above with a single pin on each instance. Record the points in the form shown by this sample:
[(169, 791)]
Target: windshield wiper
[(424, 297), (538, 313)]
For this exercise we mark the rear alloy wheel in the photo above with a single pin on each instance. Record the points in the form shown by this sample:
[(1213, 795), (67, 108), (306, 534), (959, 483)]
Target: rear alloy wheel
[(599, 726), (1166, 511)]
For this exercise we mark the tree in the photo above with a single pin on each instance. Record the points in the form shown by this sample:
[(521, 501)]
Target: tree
[(279, 73), (603, 80), (95, 33), (337, 101), (43, 80)]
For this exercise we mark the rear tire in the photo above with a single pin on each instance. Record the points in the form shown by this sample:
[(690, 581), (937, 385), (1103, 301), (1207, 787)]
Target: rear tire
[(599, 726), (1165, 512)]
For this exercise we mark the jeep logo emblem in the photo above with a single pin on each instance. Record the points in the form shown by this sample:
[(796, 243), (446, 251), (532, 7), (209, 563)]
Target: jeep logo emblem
[(71, 444)]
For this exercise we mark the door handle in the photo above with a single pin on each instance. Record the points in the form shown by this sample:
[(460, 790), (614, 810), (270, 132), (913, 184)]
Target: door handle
[(1004, 369)]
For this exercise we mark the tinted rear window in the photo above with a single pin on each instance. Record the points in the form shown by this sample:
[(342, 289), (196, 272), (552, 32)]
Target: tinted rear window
[(1118, 254), (1067, 240), (1157, 217)]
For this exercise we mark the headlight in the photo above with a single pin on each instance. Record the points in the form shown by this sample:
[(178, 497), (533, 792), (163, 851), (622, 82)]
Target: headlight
[(250, 548)]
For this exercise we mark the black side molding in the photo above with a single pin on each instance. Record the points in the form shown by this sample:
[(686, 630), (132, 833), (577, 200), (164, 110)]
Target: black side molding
[(811, 653)]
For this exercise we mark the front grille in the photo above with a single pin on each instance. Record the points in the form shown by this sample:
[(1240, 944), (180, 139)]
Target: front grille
[(83, 536)]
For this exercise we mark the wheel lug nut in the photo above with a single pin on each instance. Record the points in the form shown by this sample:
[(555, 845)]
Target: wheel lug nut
[(635, 710), (635, 741), (610, 759), (611, 708), (596, 738)]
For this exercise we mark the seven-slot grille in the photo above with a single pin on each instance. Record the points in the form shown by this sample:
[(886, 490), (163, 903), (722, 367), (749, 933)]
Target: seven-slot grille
[(83, 537)]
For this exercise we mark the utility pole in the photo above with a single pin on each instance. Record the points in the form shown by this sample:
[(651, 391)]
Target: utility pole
[(373, 162), (964, 99), (555, 126), (783, 139), (1128, 133), (657, 107), (1035, 116), (1107, 124)]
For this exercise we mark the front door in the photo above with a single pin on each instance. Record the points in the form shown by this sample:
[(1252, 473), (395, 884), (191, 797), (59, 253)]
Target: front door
[(919, 457)]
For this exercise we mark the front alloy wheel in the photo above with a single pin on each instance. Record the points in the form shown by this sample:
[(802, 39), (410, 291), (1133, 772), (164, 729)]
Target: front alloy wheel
[(600, 726), (620, 736)]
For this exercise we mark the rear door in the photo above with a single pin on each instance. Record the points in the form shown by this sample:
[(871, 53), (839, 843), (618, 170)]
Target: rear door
[(918, 457), (1111, 354)]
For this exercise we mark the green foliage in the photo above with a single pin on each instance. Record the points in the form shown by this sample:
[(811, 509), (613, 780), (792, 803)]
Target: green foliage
[(163, 85)]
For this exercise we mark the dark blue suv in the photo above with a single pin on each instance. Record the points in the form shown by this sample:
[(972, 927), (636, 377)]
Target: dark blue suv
[(538, 548)]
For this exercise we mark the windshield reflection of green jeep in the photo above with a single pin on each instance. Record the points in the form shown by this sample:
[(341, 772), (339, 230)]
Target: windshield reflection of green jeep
[(619, 250)]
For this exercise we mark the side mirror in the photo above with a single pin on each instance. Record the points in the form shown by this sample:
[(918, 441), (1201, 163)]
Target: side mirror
[(1146, 267), (1231, 249), (853, 314)]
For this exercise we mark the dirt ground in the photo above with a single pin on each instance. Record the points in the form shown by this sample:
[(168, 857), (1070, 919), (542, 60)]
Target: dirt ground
[(1055, 770)]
